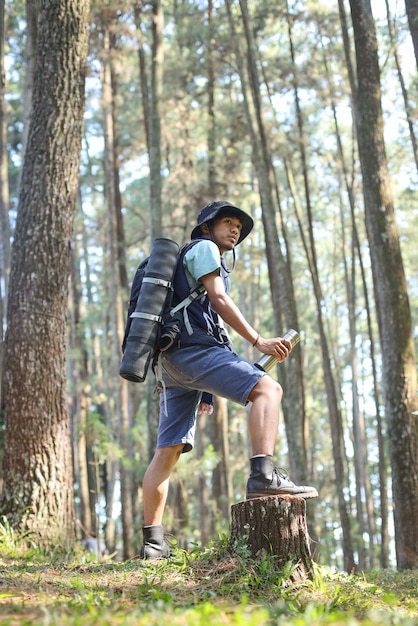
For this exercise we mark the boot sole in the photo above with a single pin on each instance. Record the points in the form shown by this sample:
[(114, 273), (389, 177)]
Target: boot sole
[(304, 496)]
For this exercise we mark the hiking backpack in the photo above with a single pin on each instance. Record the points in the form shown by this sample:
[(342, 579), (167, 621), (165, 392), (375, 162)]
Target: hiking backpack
[(152, 324)]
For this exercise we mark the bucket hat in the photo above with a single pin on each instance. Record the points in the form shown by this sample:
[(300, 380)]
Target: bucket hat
[(217, 209)]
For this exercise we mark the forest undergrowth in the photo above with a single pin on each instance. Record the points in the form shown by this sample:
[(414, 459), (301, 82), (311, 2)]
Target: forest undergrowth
[(202, 586)]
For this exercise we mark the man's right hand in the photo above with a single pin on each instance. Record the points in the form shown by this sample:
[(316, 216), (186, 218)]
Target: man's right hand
[(277, 346)]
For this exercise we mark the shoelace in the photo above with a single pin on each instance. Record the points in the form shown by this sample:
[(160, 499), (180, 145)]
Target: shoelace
[(282, 473), (171, 540)]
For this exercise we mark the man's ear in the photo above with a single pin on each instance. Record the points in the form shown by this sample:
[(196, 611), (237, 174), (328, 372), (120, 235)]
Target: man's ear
[(205, 229)]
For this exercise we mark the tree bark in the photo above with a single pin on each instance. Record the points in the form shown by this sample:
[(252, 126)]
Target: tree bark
[(32, 16), (38, 485), (392, 302), (275, 526)]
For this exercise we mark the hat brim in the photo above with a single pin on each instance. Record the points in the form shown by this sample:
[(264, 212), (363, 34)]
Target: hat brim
[(245, 219)]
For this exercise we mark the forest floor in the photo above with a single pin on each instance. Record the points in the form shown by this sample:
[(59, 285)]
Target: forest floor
[(199, 588)]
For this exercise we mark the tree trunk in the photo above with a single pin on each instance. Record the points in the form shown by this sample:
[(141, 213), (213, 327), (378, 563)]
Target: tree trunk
[(32, 16), (177, 508), (4, 190), (212, 177), (80, 405), (359, 432), (117, 276), (410, 115), (4, 202), (155, 119), (412, 13), (276, 526), (90, 367), (283, 297), (384, 514), (38, 485), (221, 480), (392, 302), (335, 417), (202, 483), (155, 183), (120, 231), (145, 98)]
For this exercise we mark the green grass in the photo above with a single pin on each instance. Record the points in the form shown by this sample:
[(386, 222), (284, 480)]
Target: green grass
[(208, 587)]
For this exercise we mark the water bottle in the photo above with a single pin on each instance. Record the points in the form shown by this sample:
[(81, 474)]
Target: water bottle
[(268, 361)]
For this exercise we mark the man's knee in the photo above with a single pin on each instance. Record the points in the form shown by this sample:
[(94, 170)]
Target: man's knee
[(169, 453), (267, 387)]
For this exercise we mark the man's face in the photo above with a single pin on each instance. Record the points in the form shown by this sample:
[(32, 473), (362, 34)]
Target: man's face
[(226, 232)]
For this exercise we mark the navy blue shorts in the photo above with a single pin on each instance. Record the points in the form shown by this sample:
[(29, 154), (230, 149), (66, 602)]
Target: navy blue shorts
[(189, 371)]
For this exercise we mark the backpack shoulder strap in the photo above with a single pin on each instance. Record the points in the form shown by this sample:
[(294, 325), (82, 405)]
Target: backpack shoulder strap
[(197, 291)]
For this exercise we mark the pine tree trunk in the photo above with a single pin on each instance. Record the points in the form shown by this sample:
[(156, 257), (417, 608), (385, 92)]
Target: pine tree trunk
[(117, 276), (155, 188), (392, 302), (279, 268), (384, 514), (32, 17), (212, 174), (412, 12), (335, 416), (275, 526), (80, 405), (4, 188), (155, 119), (202, 483), (38, 485), (222, 479), (409, 110)]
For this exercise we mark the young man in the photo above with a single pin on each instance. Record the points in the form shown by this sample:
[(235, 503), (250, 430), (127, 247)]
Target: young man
[(203, 361)]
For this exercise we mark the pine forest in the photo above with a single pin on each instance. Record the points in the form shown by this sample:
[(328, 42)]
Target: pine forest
[(119, 121)]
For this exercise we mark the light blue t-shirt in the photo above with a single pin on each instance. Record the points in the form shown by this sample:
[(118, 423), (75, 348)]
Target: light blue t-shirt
[(201, 259)]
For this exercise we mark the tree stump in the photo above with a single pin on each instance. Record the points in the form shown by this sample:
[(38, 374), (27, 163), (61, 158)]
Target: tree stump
[(276, 526)]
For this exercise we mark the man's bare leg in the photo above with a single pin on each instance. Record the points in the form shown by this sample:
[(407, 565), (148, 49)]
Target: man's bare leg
[(156, 481), (263, 421), (155, 491)]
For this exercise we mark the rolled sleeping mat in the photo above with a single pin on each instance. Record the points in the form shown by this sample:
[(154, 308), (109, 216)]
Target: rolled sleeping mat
[(146, 319)]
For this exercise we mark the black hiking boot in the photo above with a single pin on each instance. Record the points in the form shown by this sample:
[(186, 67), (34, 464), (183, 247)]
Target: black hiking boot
[(267, 480), (154, 546)]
